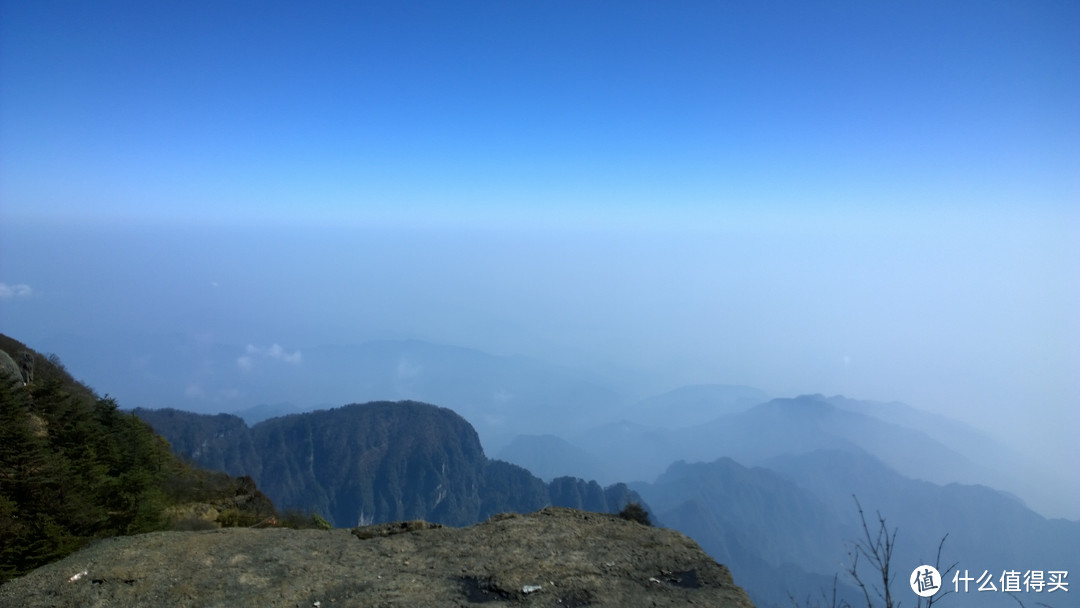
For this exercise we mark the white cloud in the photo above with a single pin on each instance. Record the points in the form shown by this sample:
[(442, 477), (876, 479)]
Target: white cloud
[(276, 352), (406, 370), (279, 353), (21, 290)]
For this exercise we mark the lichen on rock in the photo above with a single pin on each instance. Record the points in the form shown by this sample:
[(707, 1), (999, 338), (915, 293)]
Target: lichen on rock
[(551, 557)]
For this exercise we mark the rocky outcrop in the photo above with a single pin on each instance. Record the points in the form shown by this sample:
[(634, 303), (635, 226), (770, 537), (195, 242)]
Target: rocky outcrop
[(9, 370), (553, 557), (374, 463)]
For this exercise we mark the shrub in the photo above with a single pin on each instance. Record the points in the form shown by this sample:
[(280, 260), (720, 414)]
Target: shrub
[(237, 518), (633, 511), (193, 524), (299, 520)]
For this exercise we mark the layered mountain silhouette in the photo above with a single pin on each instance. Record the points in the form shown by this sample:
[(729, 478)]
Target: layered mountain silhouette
[(767, 486), (784, 523), (375, 462), (499, 394), (75, 469), (772, 491), (788, 527), (917, 444)]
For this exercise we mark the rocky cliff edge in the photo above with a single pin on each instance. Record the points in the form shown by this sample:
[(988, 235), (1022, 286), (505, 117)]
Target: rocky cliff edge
[(553, 557)]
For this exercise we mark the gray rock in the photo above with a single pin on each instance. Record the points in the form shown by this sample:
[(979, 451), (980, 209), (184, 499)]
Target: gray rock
[(554, 557)]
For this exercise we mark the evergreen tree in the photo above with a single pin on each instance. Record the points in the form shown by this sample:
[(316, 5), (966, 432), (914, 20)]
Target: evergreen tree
[(74, 468)]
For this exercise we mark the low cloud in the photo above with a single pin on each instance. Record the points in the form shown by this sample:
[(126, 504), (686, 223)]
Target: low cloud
[(21, 290), (252, 354), (407, 370), (276, 352), (223, 395)]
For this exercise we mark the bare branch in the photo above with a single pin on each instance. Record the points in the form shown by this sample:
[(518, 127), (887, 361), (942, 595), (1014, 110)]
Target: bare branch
[(937, 566), (877, 549)]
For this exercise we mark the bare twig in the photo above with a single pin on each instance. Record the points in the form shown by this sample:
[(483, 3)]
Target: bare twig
[(937, 566), (877, 549)]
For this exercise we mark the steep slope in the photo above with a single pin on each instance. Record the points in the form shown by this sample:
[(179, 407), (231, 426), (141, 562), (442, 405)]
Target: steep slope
[(634, 452), (556, 557), (986, 527), (985, 460), (380, 461), (775, 536), (763, 509), (789, 527), (374, 462), (220, 442), (809, 423), (74, 468)]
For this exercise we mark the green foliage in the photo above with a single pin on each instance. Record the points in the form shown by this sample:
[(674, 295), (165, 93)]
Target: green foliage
[(74, 468), (635, 512), (193, 524), (299, 520), (375, 462), (319, 522), (238, 518), (508, 487)]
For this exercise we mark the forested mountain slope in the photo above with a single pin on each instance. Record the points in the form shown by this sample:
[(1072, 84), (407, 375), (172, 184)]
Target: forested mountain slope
[(75, 468), (375, 462)]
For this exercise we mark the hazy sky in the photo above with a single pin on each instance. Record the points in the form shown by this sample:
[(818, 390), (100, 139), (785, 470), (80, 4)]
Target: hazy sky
[(878, 199)]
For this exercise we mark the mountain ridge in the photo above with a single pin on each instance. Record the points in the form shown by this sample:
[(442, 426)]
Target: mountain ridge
[(793, 519), (374, 462)]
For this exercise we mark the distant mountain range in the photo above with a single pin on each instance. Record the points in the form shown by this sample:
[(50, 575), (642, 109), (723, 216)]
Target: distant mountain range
[(788, 527), (917, 444), (765, 485), (626, 434), (500, 395), (783, 526), (75, 469), (771, 489)]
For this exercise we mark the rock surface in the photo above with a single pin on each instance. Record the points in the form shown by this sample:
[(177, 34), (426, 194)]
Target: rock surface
[(554, 557)]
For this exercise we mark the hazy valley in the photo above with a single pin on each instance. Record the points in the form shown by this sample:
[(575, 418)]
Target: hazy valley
[(741, 266), (766, 485)]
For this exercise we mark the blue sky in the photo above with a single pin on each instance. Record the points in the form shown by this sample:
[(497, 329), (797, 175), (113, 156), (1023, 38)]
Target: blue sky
[(233, 110), (874, 198)]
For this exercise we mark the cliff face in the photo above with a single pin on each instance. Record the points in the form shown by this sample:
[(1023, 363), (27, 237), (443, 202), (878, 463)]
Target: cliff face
[(554, 557), (374, 462)]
